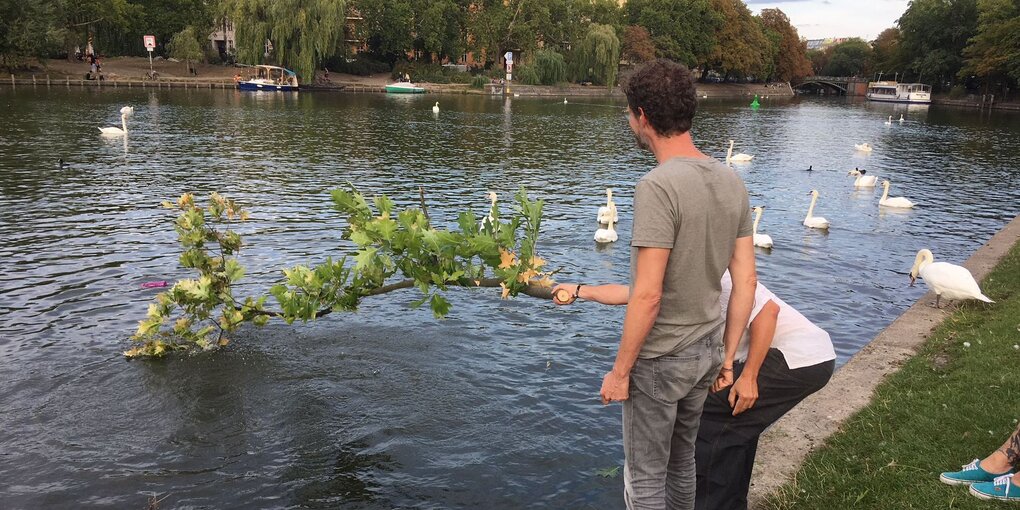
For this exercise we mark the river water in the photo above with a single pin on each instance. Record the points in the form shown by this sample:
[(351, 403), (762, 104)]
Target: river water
[(495, 406)]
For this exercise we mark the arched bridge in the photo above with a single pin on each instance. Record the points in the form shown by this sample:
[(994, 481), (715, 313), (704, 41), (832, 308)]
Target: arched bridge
[(849, 85)]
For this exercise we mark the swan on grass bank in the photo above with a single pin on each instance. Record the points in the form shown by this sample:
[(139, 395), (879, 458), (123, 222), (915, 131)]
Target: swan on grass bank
[(760, 240), (815, 221), (900, 202), (945, 279)]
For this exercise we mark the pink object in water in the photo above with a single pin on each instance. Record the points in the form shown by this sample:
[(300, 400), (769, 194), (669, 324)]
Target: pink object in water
[(153, 285)]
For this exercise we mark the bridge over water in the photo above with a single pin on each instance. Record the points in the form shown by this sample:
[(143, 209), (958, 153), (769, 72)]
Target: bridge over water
[(842, 85)]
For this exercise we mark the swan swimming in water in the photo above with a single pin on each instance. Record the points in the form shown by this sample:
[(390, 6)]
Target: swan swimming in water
[(815, 221), (125, 112), (435, 109), (490, 219), (863, 147), (889, 122), (607, 213), (606, 235), (740, 157), (901, 202), (760, 240), (863, 181), (901, 118), (950, 280)]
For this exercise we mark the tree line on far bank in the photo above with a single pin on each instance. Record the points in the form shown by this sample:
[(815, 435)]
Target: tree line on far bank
[(555, 40), (954, 45), (972, 43)]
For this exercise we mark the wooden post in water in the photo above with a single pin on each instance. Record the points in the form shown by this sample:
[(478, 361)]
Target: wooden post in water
[(47, 81), (13, 85), (33, 80)]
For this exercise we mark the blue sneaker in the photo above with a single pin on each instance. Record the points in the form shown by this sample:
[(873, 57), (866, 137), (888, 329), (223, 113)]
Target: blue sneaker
[(971, 473), (1000, 489)]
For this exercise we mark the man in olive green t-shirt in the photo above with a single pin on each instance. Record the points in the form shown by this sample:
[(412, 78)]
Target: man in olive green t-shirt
[(691, 222)]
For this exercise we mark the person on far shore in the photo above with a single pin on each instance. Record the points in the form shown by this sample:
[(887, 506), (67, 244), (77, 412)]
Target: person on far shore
[(995, 477), (692, 221)]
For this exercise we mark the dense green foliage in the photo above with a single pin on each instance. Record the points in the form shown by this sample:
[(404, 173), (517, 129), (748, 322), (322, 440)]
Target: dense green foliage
[(590, 35), (185, 46), (956, 400), (201, 313), (942, 42), (598, 56), (950, 44), (302, 32), (849, 58)]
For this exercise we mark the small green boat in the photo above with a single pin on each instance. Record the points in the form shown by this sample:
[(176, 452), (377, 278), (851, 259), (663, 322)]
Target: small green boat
[(404, 87)]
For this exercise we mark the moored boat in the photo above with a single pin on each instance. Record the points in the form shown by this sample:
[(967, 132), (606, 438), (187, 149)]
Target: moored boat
[(893, 92), (271, 78), (404, 87)]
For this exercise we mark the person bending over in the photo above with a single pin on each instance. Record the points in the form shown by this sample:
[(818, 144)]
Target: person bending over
[(781, 359)]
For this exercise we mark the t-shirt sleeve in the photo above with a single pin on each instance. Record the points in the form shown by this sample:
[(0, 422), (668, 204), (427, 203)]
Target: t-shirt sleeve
[(746, 225), (761, 297), (655, 217)]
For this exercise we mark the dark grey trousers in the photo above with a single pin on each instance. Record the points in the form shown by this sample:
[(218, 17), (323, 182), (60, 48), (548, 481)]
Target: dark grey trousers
[(726, 444)]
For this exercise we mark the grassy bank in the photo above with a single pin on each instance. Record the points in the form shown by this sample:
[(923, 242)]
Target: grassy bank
[(946, 406)]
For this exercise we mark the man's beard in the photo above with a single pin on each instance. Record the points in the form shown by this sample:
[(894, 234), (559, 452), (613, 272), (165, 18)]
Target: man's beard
[(641, 142)]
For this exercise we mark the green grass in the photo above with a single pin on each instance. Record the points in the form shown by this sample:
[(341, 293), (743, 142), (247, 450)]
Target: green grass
[(946, 406)]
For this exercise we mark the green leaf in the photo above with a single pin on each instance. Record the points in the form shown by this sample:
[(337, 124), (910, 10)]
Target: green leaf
[(440, 306), (365, 259)]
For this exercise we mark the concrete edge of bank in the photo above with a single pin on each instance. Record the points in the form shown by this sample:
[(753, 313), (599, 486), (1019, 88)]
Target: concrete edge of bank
[(783, 448)]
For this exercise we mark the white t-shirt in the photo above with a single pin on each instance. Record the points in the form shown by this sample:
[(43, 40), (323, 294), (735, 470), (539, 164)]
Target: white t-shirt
[(802, 343)]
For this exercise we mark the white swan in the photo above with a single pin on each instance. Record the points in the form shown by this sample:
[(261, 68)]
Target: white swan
[(564, 100), (815, 221), (606, 235), (895, 201), (863, 147), (739, 157), (490, 219), (902, 119), (125, 112), (435, 109), (950, 280), (889, 122), (863, 181), (760, 240), (607, 213)]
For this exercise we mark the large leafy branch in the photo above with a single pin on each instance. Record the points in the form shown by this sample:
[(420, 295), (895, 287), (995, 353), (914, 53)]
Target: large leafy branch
[(395, 250)]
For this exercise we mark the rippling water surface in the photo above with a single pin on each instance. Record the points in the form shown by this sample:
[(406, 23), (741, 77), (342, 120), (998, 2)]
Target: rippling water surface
[(494, 407)]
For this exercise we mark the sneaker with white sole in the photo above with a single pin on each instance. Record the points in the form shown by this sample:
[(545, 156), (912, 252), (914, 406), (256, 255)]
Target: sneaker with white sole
[(971, 473), (1000, 489)]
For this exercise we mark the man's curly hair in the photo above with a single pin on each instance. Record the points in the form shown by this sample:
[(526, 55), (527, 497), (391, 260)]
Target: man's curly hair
[(664, 90)]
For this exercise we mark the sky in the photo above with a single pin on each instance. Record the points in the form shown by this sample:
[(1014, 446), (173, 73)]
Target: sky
[(818, 19)]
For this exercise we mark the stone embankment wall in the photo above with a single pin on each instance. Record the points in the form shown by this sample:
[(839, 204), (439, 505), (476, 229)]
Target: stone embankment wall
[(783, 447)]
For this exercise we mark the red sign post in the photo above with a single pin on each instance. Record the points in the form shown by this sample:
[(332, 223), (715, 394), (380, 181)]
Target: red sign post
[(150, 44)]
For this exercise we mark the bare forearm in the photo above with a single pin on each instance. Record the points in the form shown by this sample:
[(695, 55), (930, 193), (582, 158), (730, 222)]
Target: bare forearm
[(637, 323), (745, 281), (763, 330), (609, 294)]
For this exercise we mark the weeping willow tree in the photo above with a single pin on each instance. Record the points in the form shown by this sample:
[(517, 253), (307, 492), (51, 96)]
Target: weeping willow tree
[(302, 32), (597, 58)]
